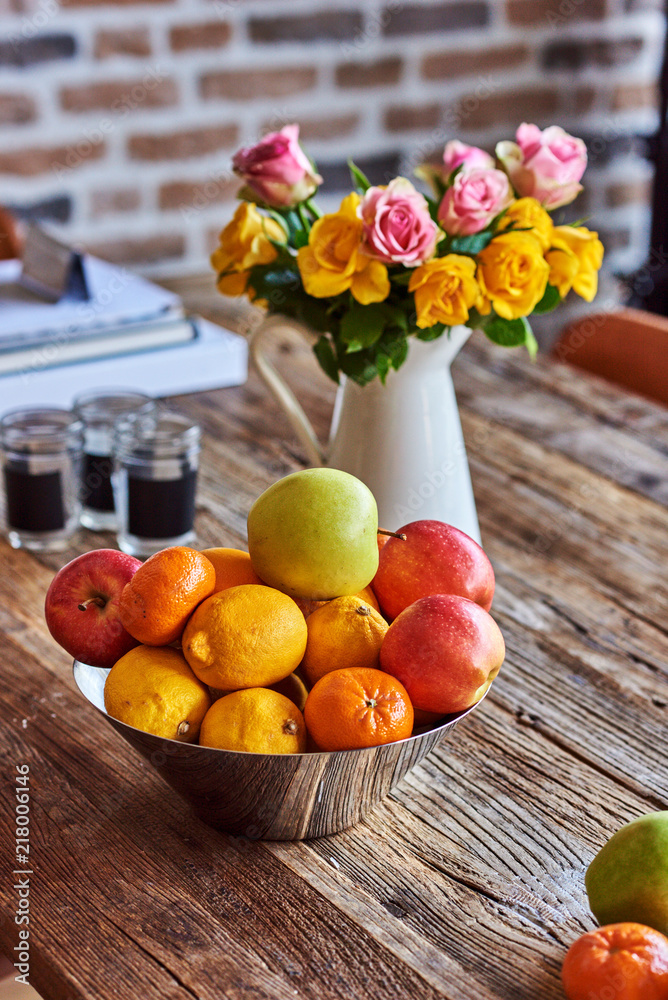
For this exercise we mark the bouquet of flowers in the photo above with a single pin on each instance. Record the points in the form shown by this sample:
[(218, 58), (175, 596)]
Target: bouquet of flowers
[(392, 263)]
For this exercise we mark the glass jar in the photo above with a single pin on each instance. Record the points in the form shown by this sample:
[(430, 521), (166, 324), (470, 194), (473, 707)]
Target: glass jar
[(42, 453), (99, 410), (156, 457)]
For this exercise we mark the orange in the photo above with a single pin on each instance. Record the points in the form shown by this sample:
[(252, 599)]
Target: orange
[(308, 606), (353, 708), (255, 720), (157, 602), (345, 632), (245, 637), (624, 961), (368, 595), (232, 566), (153, 688)]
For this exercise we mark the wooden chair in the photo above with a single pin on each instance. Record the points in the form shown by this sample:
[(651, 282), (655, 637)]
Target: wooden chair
[(628, 347)]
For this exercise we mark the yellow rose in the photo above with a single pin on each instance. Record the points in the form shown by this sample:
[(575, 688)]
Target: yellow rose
[(244, 242), (332, 263), (529, 215), (587, 250), (445, 290), (513, 274), (563, 269)]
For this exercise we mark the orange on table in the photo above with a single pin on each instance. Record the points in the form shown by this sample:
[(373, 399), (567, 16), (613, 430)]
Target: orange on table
[(345, 632), (232, 566), (157, 602), (353, 708), (152, 688), (624, 961), (245, 637), (255, 720)]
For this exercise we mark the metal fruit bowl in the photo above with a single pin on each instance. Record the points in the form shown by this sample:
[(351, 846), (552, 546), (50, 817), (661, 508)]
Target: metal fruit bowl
[(273, 796)]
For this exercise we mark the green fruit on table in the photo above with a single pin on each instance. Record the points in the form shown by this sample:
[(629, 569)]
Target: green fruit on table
[(313, 534), (628, 878)]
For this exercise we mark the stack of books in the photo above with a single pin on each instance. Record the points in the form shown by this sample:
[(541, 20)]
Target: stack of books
[(123, 330)]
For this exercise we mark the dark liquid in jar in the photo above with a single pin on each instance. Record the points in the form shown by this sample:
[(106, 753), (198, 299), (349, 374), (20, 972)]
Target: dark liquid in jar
[(161, 508), (34, 501), (96, 489)]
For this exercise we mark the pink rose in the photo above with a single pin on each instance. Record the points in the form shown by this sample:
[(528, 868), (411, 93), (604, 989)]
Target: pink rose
[(458, 154), (397, 226), (475, 198), (277, 170), (544, 165)]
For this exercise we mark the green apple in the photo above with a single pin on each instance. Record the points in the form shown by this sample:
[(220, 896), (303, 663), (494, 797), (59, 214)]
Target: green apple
[(313, 534), (628, 878)]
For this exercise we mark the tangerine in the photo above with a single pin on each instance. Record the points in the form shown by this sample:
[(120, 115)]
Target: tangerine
[(152, 688), (624, 961), (345, 632), (245, 637), (357, 707), (157, 602), (255, 720), (233, 567)]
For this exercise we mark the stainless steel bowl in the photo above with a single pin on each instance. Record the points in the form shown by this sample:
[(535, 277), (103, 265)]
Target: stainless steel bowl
[(273, 796)]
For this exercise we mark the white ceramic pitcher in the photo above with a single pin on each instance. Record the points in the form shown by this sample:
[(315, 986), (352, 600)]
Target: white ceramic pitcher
[(403, 439)]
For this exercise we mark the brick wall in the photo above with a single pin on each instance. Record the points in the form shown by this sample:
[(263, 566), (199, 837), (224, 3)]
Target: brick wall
[(118, 119)]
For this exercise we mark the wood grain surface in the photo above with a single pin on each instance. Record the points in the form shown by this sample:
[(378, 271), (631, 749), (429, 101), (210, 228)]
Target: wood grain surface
[(467, 882)]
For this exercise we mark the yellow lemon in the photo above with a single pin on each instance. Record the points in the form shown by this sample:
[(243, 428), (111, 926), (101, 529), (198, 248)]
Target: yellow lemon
[(346, 632), (255, 720), (244, 637), (152, 688)]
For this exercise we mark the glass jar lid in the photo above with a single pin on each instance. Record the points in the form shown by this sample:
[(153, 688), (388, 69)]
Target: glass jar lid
[(104, 406), (46, 430), (160, 434)]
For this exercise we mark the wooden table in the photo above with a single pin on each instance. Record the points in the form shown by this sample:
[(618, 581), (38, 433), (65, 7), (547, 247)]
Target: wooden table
[(467, 882)]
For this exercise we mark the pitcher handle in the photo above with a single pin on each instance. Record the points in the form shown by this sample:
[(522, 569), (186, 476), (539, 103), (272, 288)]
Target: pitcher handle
[(284, 396)]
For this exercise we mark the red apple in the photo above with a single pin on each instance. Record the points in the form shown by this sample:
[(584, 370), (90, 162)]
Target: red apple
[(445, 650), (82, 604), (435, 558)]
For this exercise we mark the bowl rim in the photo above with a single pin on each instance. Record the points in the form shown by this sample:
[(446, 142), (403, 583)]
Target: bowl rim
[(447, 722)]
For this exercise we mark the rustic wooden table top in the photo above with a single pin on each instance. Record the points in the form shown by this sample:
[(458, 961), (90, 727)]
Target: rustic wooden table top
[(467, 882)]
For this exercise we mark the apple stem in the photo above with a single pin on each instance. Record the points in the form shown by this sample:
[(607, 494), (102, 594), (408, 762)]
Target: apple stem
[(91, 600), (393, 534)]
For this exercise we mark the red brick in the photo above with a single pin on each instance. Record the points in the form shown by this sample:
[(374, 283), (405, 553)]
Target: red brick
[(410, 19), (402, 117), (42, 160), (140, 251), (152, 91), (124, 42), (246, 85), (17, 109), (629, 96), (109, 202), (629, 192), (614, 239), (311, 129), (110, 3), (209, 35), (554, 13), (181, 145), (446, 65), (370, 74), (333, 26), (481, 110), (195, 195)]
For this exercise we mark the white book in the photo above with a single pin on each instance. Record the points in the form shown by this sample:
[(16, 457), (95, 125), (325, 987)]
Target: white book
[(116, 297), (215, 358)]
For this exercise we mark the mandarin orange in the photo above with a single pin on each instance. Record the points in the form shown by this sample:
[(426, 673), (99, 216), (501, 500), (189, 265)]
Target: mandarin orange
[(624, 961), (357, 707), (160, 598), (233, 567)]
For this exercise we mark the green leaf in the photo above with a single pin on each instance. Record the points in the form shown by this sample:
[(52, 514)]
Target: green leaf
[(432, 332), (400, 355), (530, 341), (359, 179), (506, 332), (363, 325), (359, 367), (471, 245), (549, 301), (326, 358)]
